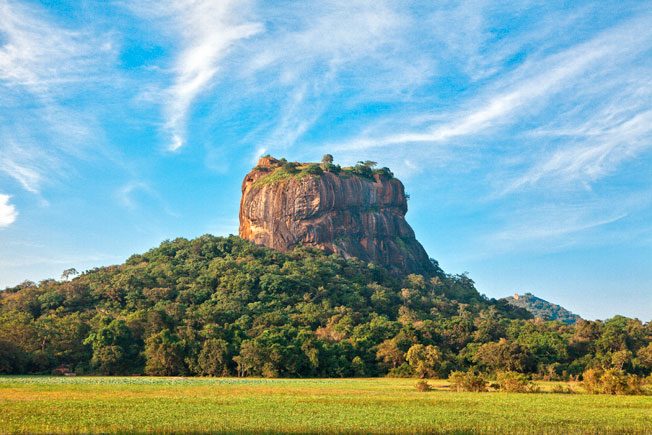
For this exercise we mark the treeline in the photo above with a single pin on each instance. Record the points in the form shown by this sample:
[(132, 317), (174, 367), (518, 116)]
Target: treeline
[(222, 306)]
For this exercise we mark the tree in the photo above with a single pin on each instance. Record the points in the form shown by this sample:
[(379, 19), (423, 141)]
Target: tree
[(645, 357), (66, 274), (327, 164), (390, 354), (249, 362), (12, 358), (114, 349), (164, 354), (213, 358), (424, 360), (367, 163), (187, 306), (502, 356)]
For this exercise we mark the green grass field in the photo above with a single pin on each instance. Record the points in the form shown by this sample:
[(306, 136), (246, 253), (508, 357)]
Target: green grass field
[(143, 404)]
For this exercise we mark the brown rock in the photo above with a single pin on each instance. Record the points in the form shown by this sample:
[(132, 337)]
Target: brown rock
[(340, 213)]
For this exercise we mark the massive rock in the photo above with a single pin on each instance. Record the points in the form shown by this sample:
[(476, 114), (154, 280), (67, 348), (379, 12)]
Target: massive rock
[(339, 212)]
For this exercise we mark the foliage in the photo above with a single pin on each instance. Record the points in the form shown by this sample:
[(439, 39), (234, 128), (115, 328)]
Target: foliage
[(313, 169), (512, 382), (423, 386), (424, 360), (468, 381), (384, 172), (218, 306), (562, 389), (611, 381)]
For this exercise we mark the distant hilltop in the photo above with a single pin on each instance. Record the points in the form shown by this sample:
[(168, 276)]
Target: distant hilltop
[(541, 308), (357, 211)]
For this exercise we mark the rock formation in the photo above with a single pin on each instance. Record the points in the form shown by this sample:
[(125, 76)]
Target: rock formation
[(340, 211)]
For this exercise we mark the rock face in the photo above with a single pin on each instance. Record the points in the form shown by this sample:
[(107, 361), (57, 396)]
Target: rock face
[(343, 213)]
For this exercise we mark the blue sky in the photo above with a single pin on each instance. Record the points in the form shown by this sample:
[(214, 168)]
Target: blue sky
[(522, 130)]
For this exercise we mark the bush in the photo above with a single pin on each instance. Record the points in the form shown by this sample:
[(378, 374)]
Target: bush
[(329, 167), (611, 381), (591, 381), (635, 384), (384, 172), (362, 170), (423, 386), (562, 389), (467, 381), (513, 382), (290, 167), (402, 371), (313, 169)]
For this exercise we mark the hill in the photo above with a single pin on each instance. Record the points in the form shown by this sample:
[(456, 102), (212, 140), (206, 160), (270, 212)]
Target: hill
[(541, 308), (224, 306), (217, 305)]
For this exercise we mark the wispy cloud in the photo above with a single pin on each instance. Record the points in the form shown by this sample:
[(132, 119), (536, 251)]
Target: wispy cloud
[(39, 55), (132, 195), (523, 91), (593, 151), (41, 64), (309, 61), (550, 227), (8, 211), (207, 30)]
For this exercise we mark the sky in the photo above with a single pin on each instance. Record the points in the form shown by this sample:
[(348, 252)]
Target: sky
[(521, 130)]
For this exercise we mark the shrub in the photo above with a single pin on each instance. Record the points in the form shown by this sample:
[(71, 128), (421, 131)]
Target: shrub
[(591, 381), (313, 169), (423, 386), (290, 167), (635, 384), (384, 172), (513, 382), (362, 170), (329, 167), (424, 360), (467, 381), (611, 381), (562, 389), (402, 371)]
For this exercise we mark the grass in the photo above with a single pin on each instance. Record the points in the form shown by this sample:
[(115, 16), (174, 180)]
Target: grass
[(143, 404)]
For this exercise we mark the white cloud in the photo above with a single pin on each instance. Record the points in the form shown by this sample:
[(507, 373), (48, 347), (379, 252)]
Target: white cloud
[(285, 79), (42, 64), (43, 57), (8, 211), (595, 150), (207, 30), (523, 91), (555, 226), (364, 50)]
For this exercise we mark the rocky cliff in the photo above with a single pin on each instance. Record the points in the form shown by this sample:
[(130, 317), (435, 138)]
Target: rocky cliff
[(340, 211)]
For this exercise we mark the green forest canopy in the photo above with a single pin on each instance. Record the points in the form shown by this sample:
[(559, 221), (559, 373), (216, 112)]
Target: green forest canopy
[(223, 306)]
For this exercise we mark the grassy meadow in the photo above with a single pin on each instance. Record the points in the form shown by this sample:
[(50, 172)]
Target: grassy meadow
[(32, 404)]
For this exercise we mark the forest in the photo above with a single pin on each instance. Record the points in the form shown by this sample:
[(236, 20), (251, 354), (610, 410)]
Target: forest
[(222, 306)]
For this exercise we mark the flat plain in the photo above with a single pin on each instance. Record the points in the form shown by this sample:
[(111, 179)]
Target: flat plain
[(32, 404)]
